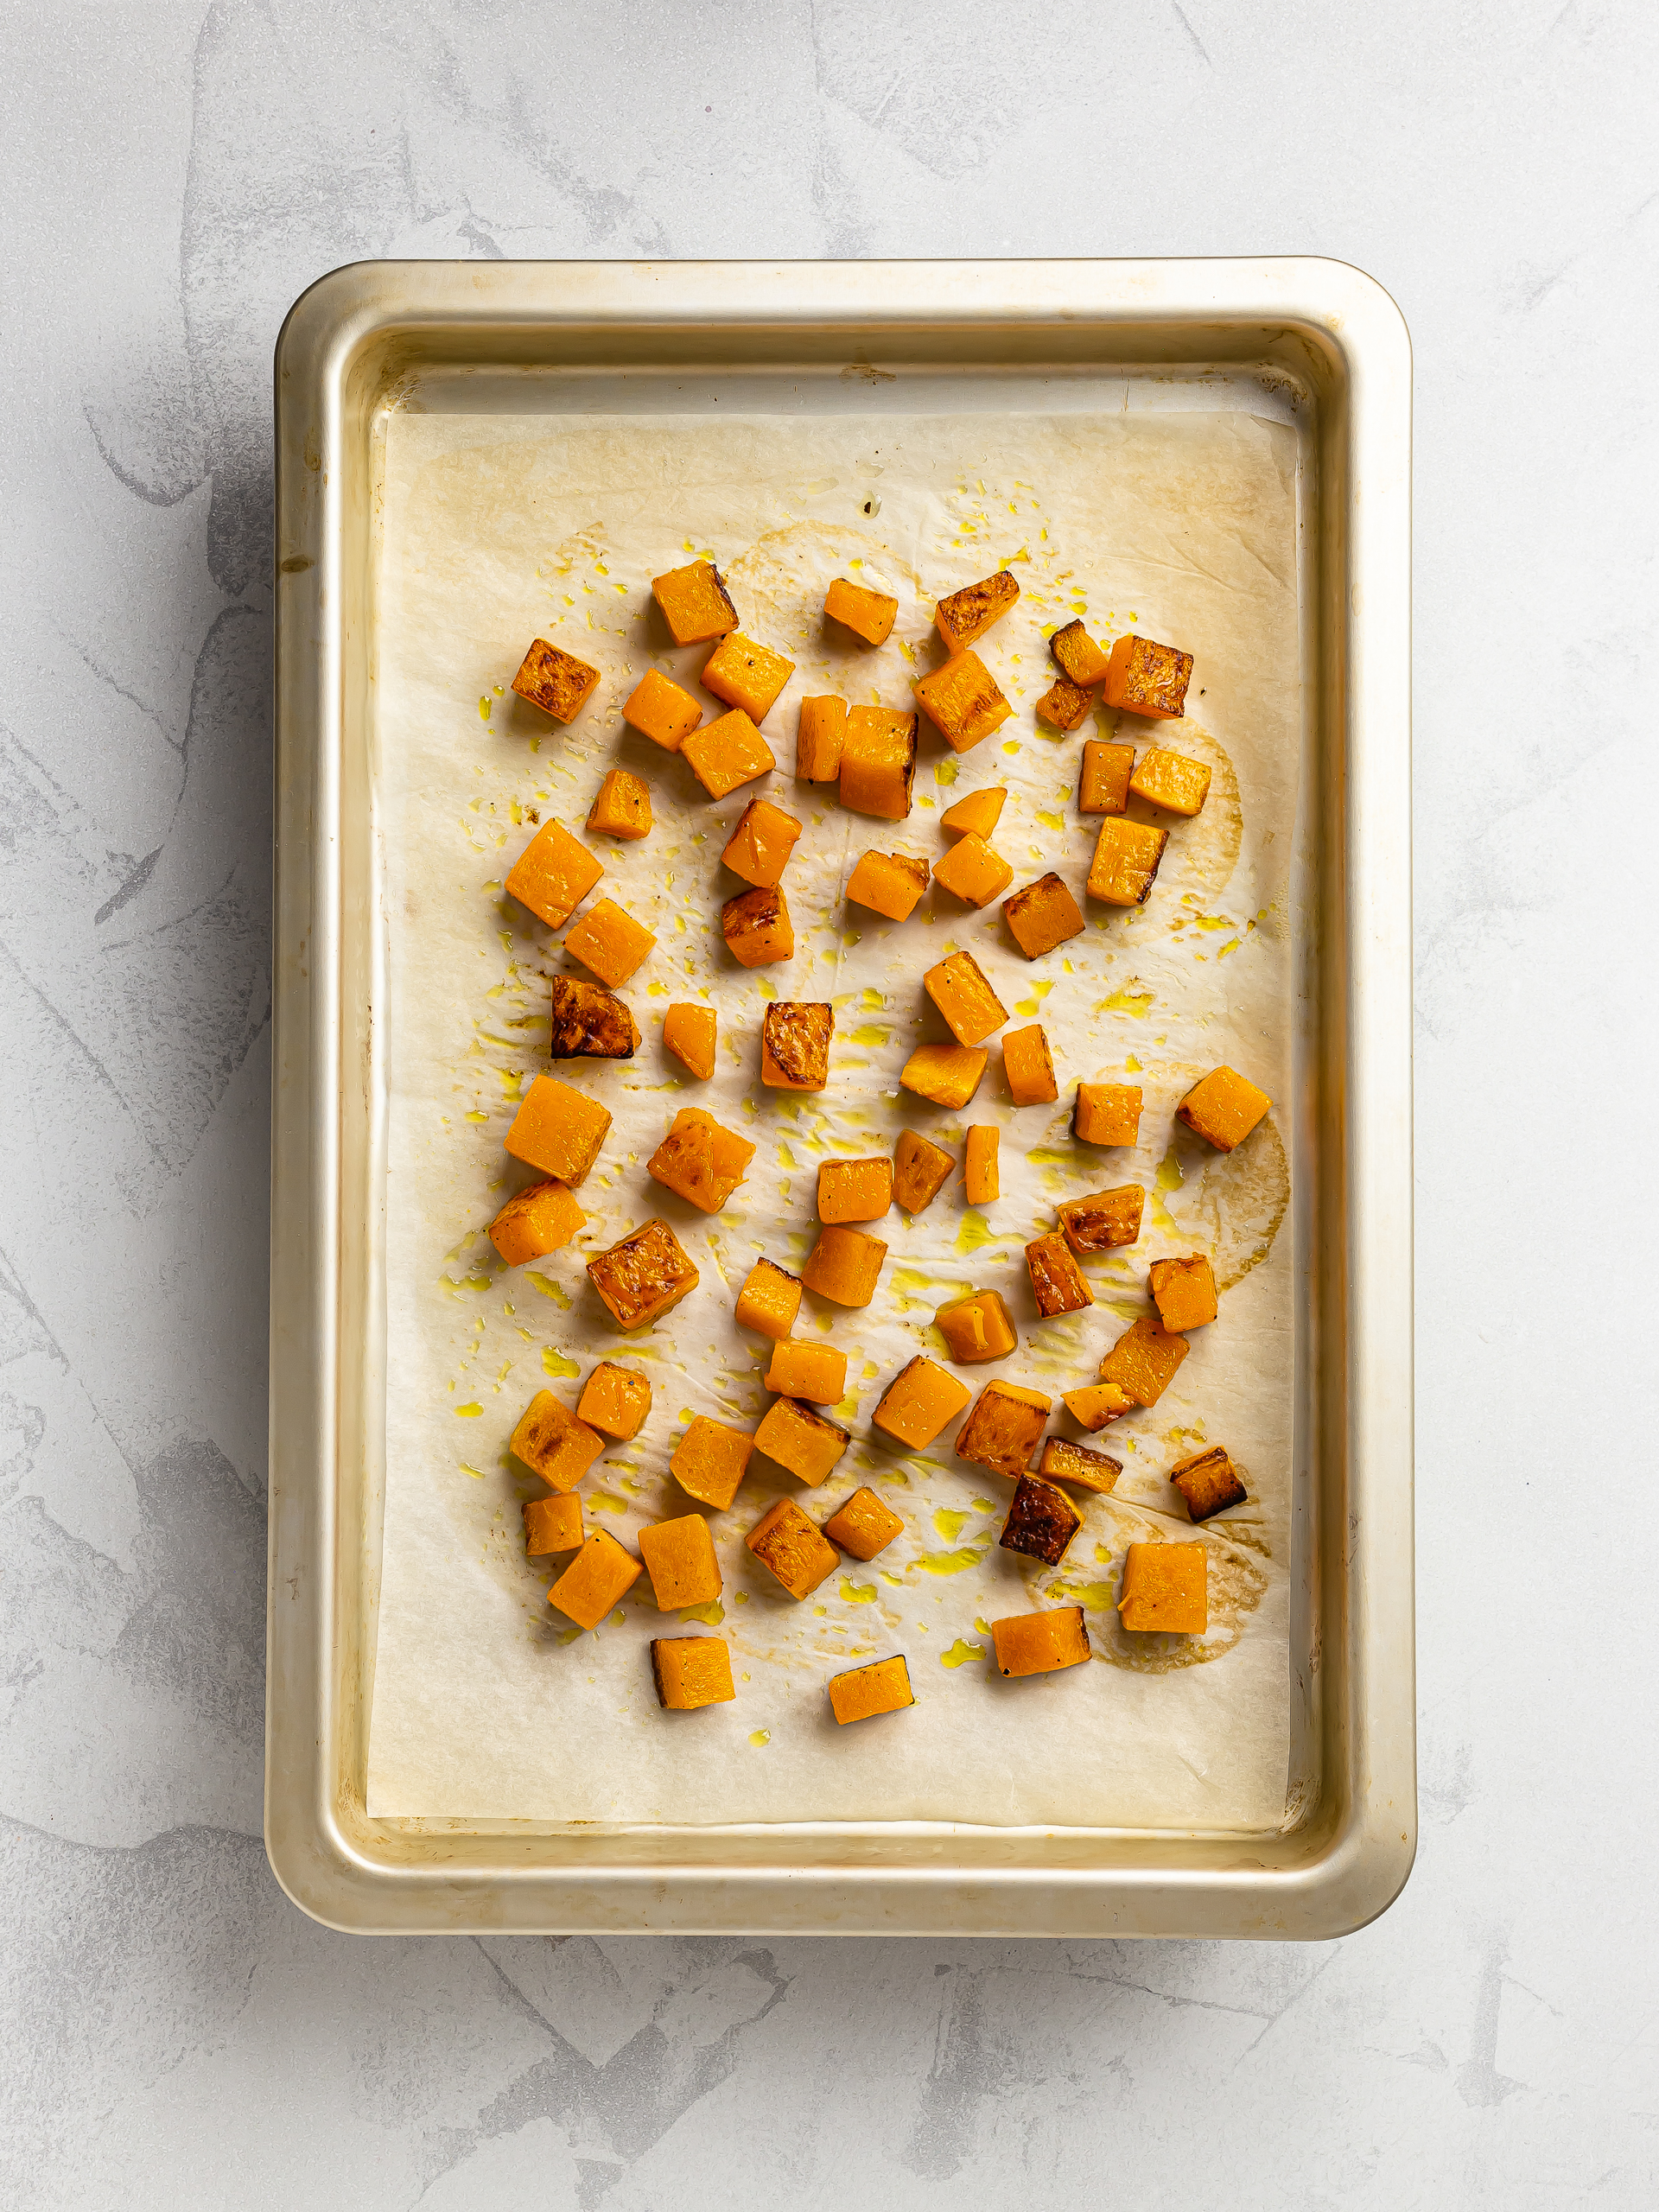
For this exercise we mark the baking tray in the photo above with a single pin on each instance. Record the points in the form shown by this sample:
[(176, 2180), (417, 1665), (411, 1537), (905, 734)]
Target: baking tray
[(356, 346)]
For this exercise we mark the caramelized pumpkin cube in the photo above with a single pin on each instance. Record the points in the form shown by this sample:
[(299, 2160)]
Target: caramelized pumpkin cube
[(947, 1074), (814, 1372), (970, 871), (757, 928), (553, 1524), (1003, 1429), (621, 807), (844, 1266), (659, 709), (609, 940), (1064, 704), (1077, 656), (963, 701), (868, 614), (1166, 1589), (920, 1171), (691, 1672), (644, 1276), (797, 1554), (864, 1526), (1222, 1108), (727, 752), (980, 1183), (888, 883), (964, 615), (878, 762), (760, 847), (854, 1190), (1148, 679), (688, 1034), (1100, 1402), (795, 1044), (746, 675), (553, 875), (557, 1129), (589, 1023), (600, 1576), (1183, 1291), (1103, 779), (1170, 780), (542, 1219), (1143, 1361), (959, 988), (1125, 866), (1041, 1521), (700, 1159), (1075, 1463), (1028, 1066), (818, 741), (555, 1442), (1043, 915), (1103, 1220), (1107, 1113), (615, 1401), (1058, 1283), (695, 603), (863, 1692), (769, 1300), (976, 1328), (919, 1404), (1040, 1643), (1209, 1483), (801, 1439), (979, 811), (679, 1557), (710, 1461), (555, 681)]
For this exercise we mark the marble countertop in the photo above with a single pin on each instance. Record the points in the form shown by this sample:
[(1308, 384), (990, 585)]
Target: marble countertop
[(176, 2032)]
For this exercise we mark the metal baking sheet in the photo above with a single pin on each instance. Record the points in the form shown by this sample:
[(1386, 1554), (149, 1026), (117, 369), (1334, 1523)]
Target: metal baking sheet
[(1319, 340)]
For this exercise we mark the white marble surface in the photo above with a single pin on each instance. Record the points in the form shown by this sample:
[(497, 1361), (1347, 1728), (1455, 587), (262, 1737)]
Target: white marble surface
[(176, 2032)]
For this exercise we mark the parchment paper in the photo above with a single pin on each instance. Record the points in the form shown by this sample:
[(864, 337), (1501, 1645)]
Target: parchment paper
[(1179, 525)]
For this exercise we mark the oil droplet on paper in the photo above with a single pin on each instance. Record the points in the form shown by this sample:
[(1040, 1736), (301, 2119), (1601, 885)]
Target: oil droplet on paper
[(961, 1652), (760, 1738)]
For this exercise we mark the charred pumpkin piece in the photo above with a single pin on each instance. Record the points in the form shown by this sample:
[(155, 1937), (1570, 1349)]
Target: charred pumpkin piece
[(970, 871), (854, 1190), (795, 1044), (1028, 1066), (1166, 1589), (1075, 1463), (1222, 1108), (679, 1557), (621, 808), (589, 1023), (609, 940), (920, 1171), (964, 615), (1041, 1521), (888, 883), (878, 762), (1058, 1283), (555, 681), (814, 1372), (757, 928), (700, 1159), (1064, 704), (1077, 656), (600, 1576), (844, 1266), (746, 675), (801, 1439), (1209, 1483), (1040, 1643), (1107, 1113), (558, 1130), (980, 1183), (760, 847), (553, 1441), (959, 988), (1103, 779), (615, 1401), (695, 603), (1125, 866), (1104, 1220), (1143, 1361), (863, 1692), (864, 1526), (691, 1672), (794, 1552), (868, 614), (919, 1404), (1041, 916), (725, 753), (553, 1524), (710, 1461), (978, 811), (659, 709), (688, 1034), (818, 741), (644, 1276), (962, 700), (1183, 1291), (1003, 1429), (769, 1300), (1098, 1403), (976, 1328), (553, 875), (1148, 679), (947, 1074), (1172, 781), (542, 1219)]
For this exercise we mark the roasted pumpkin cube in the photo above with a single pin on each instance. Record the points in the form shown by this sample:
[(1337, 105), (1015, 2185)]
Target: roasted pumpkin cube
[(757, 928), (600, 1576), (1143, 1361), (1166, 1589), (814, 1372), (1041, 1521), (769, 1300), (760, 847), (679, 1557), (1098, 1403), (976, 1328), (659, 709), (919, 1403), (1075, 1463), (609, 940), (1043, 915), (688, 1034), (964, 615), (710, 1461), (920, 1171), (947, 1074), (854, 1190), (1125, 866), (555, 681), (888, 883), (644, 1276), (553, 1524), (1224, 1107), (868, 614), (1103, 779), (1064, 704), (1040, 1643), (980, 1183), (1170, 780), (621, 807), (589, 1023), (878, 762), (1077, 656), (1003, 1429), (818, 741), (700, 1159), (542, 1219), (1058, 1283), (1103, 1220), (695, 603), (963, 701), (863, 1526), (691, 1672), (727, 752), (746, 675), (959, 988), (979, 811), (557, 1129), (1028, 1066), (800, 1439), (844, 1266), (554, 875), (555, 1442), (1107, 1113), (970, 871), (1148, 679), (797, 1554), (1209, 1483), (863, 1692), (1183, 1291), (615, 1401), (795, 1036)]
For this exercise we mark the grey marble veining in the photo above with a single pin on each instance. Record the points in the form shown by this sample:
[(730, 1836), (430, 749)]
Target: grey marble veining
[(176, 2032)]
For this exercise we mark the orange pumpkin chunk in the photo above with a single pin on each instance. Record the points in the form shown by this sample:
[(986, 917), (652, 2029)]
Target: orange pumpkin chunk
[(1172, 781), (1041, 1521), (1166, 1589), (1125, 866), (1084, 1470), (962, 700), (710, 1461), (1103, 779), (1062, 704), (555, 681), (1208, 1483), (558, 1130), (1104, 1220), (980, 1183), (918, 1404), (701, 1161), (960, 989), (819, 741), (609, 940), (553, 1524), (1222, 1108), (1002, 1431), (878, 762), (1028, 1066), (760, 847), (725, 753), (970, 871), (553, 1441), (1148, 679), (553, 875), (644, 1276), (888, 883), (864, 1526), (863, 1692), (976, 1328), (797, 1554), (1107, 1113), (1183, 1291), (621, 808), (688, 1034), (920, 1171), (757, 928), (854, 1190), (1098, 1403), (600, 1576), (695, 603), (978, 811), (1041, 916), (542, 1219), (679, 1557), (615, 1401), (691, 1672), (1058, 1283), (1040, 1643), (814, 1372), (868, 614), (964, 615), (844, 1266), (746, 675), (795, 1038), (769, 1300), (801, 1439), (1143, 1361), (659, 709), (1077, 656), (589, 1023), (947, 1074)]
